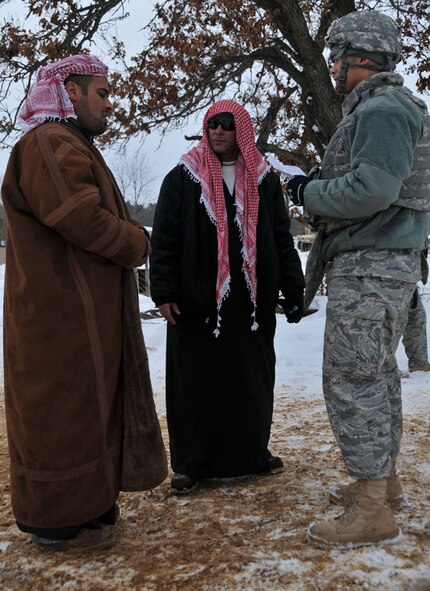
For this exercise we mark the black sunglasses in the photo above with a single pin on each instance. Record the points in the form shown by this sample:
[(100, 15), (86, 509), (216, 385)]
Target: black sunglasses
[(226, 124)]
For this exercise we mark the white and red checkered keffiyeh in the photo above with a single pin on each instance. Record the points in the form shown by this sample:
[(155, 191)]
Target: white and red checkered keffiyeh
[(47, 97), (206, 168)]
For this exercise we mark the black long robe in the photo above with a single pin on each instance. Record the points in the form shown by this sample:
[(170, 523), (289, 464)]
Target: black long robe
[(219, 391)]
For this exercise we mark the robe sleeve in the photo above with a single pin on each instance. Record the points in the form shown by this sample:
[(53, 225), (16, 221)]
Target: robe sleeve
[(64, 191), (292, 280), (166, 240)]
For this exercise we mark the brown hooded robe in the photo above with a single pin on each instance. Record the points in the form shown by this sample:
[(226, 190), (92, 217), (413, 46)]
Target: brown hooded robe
[(69, 257)]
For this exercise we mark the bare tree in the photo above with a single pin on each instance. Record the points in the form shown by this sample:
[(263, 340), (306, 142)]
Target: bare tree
[(134, 174)]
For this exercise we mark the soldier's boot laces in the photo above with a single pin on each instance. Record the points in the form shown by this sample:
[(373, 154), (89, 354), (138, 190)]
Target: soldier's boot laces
[(346, 494), (369, 521)]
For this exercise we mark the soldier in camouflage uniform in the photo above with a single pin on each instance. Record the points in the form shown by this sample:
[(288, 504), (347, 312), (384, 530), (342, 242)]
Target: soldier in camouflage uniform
[(415, 335), (370, 205)]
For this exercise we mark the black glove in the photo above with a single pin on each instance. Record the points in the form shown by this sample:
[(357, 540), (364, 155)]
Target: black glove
[(296, 188), (293, 308), (414, 301)]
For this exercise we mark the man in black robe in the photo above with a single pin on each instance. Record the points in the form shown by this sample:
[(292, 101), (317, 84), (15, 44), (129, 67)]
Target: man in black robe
[(222, 252)]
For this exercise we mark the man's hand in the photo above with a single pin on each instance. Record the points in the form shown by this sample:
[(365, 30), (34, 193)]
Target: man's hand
[(169, 311), (293, 308), (296, 189)]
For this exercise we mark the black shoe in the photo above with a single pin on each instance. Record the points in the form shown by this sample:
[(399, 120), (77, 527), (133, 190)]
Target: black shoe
[(182, 484), (87, 539), (110, 517), (107, 519), (274, 465)]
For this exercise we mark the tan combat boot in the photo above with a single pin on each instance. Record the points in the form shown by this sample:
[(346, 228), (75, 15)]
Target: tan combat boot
[(369, 521), (346, 494), (423, 367)]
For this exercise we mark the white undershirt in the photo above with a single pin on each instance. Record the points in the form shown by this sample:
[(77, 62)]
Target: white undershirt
[(229, 175)]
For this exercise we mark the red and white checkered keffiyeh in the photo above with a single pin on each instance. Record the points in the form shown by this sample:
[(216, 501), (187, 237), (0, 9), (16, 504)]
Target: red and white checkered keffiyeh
[(47, 97), (206, 168)]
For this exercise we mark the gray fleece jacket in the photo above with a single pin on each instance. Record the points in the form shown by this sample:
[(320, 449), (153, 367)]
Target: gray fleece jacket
[(374, 189)]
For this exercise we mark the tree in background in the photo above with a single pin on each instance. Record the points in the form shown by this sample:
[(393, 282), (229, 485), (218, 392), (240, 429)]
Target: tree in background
[(268, 54), (52, 29), (133, 172), (144, 214)]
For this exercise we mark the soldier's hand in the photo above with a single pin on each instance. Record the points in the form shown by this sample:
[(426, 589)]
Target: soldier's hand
[(296, 188)]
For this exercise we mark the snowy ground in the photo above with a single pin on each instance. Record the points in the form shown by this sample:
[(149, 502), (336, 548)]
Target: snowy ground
[(247, 534), (299, 356)]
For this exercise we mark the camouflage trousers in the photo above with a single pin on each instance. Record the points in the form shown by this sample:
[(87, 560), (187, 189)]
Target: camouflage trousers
[(366, 317), (415, 336)]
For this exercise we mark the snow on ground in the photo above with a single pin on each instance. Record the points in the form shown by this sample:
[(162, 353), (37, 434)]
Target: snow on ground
[(299, 355), (246, 534)]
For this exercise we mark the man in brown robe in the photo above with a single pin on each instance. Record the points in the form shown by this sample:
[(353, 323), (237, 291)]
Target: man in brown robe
[(71, 321)]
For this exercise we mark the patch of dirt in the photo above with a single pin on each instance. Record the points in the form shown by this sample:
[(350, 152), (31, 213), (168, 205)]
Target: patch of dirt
[(243, 534)]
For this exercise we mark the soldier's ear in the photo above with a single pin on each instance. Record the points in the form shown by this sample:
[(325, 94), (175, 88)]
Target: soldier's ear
[(363, 61)]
